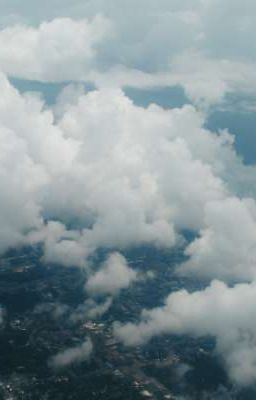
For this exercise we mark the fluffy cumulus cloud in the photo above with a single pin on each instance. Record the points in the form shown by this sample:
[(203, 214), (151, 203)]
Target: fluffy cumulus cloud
[(26, 162), (226, 247), (72, 355), (201, 45), (224, 312), (59, 50), (134, 175), (129, 175), (113, 276)]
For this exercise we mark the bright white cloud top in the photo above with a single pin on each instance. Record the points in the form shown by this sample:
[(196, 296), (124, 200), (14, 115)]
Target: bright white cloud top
[(113, 276), (63, 49)]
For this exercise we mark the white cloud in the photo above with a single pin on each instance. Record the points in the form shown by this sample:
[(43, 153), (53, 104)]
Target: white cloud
[(28, 161), (226, 248), (59, 50), (95, 310), (197, 39), (133, 166), (114, 275), (73, 355), (196, 51), (220, 311), (128, 175)]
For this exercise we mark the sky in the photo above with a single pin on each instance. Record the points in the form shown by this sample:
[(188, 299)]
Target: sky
[(127, 123)]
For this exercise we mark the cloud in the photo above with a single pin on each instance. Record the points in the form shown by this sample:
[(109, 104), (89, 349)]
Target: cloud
[(131, 195), (94, 42), (133, 169), (114, 275), (222, 250), (127, 175), (28, 162), (73, 355), (227, 313), (55, 51), (91, 309)]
